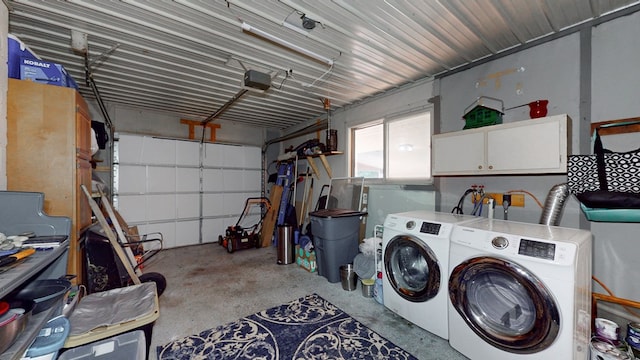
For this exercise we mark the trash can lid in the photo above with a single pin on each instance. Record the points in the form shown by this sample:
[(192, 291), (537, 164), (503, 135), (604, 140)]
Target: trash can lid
[(328, 213)]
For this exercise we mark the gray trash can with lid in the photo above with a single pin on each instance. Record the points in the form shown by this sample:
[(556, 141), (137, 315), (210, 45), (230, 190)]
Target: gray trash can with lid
[(335, 236)]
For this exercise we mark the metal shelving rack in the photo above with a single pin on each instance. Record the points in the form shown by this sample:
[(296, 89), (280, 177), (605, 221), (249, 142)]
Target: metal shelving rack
[(19, 275)]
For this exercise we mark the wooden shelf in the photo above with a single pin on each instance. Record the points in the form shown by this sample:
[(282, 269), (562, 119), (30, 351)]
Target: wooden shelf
[(323, 159), (596, 297), (622, 129), (328, 153)]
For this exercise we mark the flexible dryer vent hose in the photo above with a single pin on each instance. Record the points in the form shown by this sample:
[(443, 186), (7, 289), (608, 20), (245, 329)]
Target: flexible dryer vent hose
[(554, 204)]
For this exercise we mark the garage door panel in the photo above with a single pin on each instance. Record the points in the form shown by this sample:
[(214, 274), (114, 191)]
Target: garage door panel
[(168, 184)]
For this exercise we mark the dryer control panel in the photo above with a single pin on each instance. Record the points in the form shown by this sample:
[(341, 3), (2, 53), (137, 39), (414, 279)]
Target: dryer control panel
[(537, 249)]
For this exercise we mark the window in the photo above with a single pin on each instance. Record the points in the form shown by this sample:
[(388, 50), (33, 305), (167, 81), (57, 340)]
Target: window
[(395, 148), (368, 151)]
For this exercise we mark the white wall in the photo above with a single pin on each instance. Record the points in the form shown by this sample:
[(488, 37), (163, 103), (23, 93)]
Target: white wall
[(4, 25), (549, 71), (145, 122), (616, 87), (407, 98), (397, 101), (383, 198)]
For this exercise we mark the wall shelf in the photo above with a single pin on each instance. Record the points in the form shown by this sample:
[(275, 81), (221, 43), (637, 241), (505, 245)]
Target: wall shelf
[(323, 159), (18, 276), (622, 129), (14, 277), (597, 297), (21, 212)]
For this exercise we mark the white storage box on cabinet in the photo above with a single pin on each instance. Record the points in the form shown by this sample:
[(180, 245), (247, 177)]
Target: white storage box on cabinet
[(535, 146)]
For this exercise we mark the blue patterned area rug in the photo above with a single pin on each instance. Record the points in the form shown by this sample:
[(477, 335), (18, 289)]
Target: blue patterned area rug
[(307, 328)]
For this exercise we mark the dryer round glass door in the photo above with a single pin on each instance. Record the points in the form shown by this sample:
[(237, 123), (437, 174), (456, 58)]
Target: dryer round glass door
[(412, 268), (504, 304)]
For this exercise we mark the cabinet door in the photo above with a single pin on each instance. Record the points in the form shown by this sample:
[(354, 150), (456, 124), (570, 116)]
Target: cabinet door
[(459, 153), (539, 146), (534, 146), (83, 129), (49, 152)]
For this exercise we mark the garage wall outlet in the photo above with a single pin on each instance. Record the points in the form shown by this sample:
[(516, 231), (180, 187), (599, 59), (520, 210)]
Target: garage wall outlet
[(517, 200)]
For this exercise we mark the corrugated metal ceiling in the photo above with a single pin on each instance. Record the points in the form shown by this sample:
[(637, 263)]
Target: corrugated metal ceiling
[(189, 57)]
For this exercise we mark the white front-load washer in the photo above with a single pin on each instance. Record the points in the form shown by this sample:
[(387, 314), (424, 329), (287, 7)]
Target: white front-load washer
[(519, 291), (415, 254)]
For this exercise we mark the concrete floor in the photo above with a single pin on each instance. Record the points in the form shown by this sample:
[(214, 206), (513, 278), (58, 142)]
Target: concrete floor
[(208, 287)]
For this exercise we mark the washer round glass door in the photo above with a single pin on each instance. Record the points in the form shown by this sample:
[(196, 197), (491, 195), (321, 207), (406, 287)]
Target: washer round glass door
[(504, 304), (412, 268)]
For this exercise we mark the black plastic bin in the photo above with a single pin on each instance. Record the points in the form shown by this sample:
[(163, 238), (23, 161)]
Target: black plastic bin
[(103, 268), (335, 235)]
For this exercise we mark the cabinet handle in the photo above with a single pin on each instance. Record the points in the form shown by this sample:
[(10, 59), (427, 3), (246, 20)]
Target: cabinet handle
[(490, 167), (479, 167)]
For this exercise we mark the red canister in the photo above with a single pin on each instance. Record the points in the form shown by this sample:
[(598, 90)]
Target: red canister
[(538, 108)]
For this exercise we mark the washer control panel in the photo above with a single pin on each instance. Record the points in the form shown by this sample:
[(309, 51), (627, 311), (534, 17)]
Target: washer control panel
[(430, 228)]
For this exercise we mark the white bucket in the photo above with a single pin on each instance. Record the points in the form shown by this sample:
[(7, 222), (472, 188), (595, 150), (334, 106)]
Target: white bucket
[(607, 329)]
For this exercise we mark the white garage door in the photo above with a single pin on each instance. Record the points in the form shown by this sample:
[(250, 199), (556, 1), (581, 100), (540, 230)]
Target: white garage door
[(190, 192)]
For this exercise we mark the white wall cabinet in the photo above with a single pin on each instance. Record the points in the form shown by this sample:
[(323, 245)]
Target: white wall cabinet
[(535, 146)]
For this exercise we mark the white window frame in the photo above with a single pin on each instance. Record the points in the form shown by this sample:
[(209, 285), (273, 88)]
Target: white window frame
[(385, 121)]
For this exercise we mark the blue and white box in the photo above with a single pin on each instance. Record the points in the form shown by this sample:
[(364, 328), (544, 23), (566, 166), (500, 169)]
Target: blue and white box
[(44, 72), (71, 82), (17, 51)]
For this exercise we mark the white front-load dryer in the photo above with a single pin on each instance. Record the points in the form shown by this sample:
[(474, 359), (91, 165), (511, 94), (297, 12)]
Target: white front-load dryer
[(415, 254), (519, 291)]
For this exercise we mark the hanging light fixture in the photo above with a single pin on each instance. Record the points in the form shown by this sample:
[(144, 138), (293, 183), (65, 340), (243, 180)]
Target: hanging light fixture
[(287, 44)]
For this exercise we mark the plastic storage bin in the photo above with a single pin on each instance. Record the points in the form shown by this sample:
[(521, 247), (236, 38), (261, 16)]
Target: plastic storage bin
[(127, 346), (50, 339), (108, 313), (335, 236)]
